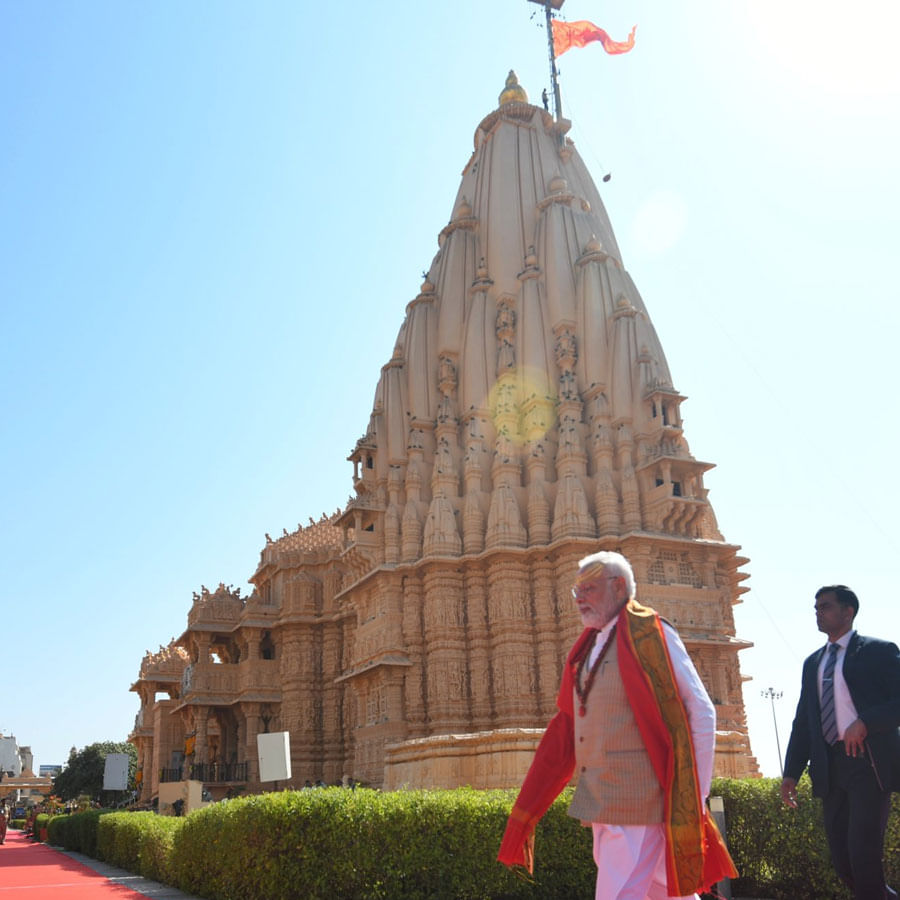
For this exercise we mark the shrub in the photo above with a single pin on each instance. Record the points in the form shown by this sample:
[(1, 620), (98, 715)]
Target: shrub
[(157, 842), (354, 844), (119, 839), (77, 831), (368, 845), (779, 852), (139, 842)]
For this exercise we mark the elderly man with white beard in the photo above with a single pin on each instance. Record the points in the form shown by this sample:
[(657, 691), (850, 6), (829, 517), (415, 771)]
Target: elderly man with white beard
[(636, 723)]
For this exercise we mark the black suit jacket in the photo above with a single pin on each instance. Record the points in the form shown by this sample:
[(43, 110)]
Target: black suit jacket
[(872, 672)]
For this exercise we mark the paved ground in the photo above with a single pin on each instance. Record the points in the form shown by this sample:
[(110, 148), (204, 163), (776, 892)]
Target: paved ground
[(136, 883), (38, 870)]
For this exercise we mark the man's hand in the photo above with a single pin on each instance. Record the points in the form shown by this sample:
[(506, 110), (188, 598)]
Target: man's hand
[(854, 738), (789, 792)]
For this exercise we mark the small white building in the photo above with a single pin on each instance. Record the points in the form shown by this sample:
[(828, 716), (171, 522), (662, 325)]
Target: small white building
[(10, 757)]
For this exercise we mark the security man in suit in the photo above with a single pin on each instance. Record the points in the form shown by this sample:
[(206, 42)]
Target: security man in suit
[(847, 729)]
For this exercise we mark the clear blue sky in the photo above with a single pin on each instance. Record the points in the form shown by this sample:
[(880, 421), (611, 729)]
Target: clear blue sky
[(212, 216)]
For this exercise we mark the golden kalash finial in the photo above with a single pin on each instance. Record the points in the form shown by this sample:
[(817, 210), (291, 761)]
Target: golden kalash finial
[(513, 92)]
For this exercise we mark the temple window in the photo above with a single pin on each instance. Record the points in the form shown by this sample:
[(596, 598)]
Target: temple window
[(659, 482), (267, 646), (370, 463), (656, 574), (665, 412), (676, 488)]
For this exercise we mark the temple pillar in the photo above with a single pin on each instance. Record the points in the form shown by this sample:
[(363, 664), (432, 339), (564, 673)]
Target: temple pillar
[(545, 631), (413, 638), (479, 641), (512, 645), (445, 643)]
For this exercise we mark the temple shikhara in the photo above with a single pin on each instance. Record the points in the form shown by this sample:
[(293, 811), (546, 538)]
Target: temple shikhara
[(525, 417)]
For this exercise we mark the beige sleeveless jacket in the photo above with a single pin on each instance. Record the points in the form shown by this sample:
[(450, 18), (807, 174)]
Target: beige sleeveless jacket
[(616, 782)]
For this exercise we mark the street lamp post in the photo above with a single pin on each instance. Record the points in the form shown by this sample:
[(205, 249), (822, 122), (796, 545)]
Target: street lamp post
[(772, 695)]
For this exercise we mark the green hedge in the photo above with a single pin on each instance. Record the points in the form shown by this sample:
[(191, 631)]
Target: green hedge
[(141, 842), (77, 831), (362, 844), (18, 824), (333, 842), (782, 853)]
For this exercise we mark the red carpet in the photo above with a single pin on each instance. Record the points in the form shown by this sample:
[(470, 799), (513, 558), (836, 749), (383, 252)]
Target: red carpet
[(35, 871)]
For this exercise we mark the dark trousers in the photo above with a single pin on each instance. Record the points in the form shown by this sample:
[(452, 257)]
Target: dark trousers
[(856, 814)]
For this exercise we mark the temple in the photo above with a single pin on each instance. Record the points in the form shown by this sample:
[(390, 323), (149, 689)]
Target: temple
[(525, 418)]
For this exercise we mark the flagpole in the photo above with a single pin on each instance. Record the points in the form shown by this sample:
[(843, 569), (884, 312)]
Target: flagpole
[(549, 6), (554, 75)]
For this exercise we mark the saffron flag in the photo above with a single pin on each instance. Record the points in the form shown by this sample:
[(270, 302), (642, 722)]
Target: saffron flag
[(577, 34)]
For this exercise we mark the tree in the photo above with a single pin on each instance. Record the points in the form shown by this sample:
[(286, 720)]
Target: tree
[(83, 773)]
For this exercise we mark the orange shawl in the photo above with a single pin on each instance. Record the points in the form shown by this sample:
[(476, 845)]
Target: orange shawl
[(696, 856)]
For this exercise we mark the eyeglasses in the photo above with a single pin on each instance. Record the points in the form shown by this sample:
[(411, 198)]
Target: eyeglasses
[(591, 586)]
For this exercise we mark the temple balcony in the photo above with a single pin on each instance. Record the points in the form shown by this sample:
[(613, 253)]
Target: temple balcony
[(363, 538), (259, 676), (220, 773), (214, 615), (222, 683), (140, 729), (209, 773), (205, 678), (672, 515)]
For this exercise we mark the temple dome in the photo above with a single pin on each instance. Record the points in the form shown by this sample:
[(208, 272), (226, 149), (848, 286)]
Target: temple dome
[(513, 92)]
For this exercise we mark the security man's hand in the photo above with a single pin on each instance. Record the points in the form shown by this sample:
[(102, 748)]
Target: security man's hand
[(789, 792), (854, 738)]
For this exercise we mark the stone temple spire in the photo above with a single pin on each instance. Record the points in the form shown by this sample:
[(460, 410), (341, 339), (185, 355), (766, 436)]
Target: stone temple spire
[(554, 354), (528, 409)]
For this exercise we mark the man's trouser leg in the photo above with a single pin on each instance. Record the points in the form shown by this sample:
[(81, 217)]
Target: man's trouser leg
[(856, 811), (631, 862)]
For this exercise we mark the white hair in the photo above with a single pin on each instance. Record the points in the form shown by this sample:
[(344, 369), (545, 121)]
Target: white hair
[(615, 564)]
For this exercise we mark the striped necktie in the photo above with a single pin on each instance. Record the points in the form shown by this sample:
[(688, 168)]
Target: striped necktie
[(829, 721)]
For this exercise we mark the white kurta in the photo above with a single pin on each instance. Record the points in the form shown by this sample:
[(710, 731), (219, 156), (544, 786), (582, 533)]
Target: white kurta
[(630, 859)]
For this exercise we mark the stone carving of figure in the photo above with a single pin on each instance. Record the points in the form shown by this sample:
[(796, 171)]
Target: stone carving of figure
[(416, 439), (447, 374), (506, 332), (447, 385), (565, 350)]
